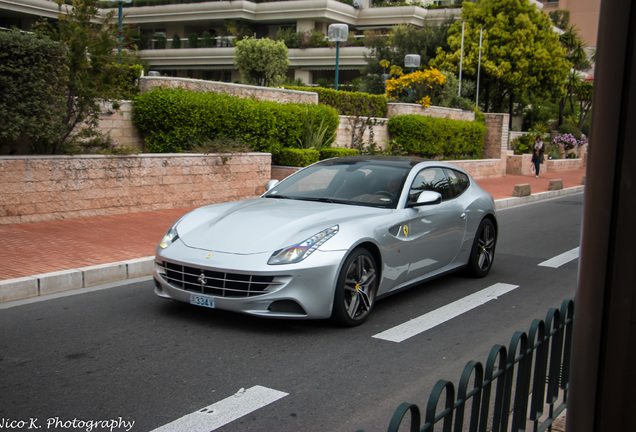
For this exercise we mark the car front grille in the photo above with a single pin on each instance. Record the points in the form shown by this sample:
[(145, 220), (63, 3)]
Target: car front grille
[(216, 283)]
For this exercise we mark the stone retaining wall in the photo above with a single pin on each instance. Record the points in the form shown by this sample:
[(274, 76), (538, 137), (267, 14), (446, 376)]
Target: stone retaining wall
[(522, 164), (478, 169), (347, 125), (238, 90), (483, 168), (39, 188), (394, 109), (556, 165), (117, 124)]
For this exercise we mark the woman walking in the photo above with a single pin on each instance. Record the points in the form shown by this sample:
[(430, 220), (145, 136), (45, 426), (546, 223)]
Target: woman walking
[(538, 150)]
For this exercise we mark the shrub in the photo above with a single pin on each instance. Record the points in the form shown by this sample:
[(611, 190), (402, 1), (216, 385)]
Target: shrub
[(419, 82), (316, 134), (350, 103), (160, 41), (295, 157), (123, 77), (332, 152), (206, 39), (32, 79), (193, 40), (173, 120), (289, 36), (176, 41), (523, 144), (570, 129), (261, 62), (435, 137), (568, 141)]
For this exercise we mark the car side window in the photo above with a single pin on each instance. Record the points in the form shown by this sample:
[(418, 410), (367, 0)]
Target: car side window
[(432, 179), (457, 181)]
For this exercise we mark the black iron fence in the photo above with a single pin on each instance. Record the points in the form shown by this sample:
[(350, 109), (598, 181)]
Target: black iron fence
[(524, 387)]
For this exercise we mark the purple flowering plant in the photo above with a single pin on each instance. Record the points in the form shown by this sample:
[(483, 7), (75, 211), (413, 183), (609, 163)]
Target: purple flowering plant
[(568, 141)]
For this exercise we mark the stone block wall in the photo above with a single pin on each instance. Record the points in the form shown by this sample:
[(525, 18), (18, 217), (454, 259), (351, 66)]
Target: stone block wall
[(556, 165), (478, 169), (347, 124), (394, 109), (39, 188), (238, 90), (282, 172), (117, 123), (483, 168), (522, 165), (496, 138)]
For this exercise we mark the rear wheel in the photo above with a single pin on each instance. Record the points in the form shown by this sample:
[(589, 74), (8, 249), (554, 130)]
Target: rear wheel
[(356, 288), (482, 254)]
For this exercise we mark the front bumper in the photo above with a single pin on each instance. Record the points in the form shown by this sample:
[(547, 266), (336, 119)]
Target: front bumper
[(246, 284)]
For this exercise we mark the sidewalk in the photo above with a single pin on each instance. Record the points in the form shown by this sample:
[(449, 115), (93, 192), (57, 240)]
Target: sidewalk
[(48, 257)]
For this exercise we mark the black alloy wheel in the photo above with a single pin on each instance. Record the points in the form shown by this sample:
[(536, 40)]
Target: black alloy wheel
[(482, 254), (356, 289)]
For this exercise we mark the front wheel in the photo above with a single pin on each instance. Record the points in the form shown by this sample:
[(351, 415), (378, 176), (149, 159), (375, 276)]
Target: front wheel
[(356, 289), (482, 253)]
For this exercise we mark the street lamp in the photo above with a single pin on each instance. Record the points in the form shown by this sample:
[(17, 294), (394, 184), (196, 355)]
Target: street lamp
[(337, 33), (120, 3), (413, 61)]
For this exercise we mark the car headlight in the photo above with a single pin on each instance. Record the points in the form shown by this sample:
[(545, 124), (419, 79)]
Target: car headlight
[(300, 251), (169, 238)]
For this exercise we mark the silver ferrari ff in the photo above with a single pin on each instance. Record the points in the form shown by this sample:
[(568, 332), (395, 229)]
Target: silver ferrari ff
[(330, 240)]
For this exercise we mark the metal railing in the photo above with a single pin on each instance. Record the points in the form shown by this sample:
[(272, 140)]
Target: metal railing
[(533, 373)]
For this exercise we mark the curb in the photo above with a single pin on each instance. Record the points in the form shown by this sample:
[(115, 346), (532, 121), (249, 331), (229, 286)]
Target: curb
[(66, 280), (516, 201)]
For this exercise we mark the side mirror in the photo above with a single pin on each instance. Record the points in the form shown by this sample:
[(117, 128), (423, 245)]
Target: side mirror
[(270, 184), (427, 198)]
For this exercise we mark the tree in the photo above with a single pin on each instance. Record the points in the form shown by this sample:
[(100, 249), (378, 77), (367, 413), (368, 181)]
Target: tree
[(32, 91), (520, 51), (560, 18), (91, 59), (261, 61), (574, 88), (394, 46), (416, 84)]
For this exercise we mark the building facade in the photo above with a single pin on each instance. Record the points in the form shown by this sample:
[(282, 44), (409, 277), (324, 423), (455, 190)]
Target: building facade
[(205, 32)]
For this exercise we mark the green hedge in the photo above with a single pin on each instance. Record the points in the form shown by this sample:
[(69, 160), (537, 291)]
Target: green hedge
[(174, 120), (295, 157), (567, 128), (332, 152), (350, 103), (303, 157), (430, 136)]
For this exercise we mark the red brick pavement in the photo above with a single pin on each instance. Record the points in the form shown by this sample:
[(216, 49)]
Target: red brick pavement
[(43, 247)]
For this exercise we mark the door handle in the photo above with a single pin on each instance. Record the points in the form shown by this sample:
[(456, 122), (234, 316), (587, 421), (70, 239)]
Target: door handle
[(463, 215)]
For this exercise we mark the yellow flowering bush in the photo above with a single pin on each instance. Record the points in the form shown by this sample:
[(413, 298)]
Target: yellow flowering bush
[(421, 82)]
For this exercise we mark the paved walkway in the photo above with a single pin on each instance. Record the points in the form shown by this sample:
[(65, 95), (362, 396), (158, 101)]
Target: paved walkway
[(44, 247)]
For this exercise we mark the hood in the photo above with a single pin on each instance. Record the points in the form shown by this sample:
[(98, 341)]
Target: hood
[(263, 224)]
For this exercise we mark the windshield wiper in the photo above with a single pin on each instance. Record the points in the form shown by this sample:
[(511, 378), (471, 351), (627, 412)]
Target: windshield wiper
[(315, 199), (279, 196), (326, 200)]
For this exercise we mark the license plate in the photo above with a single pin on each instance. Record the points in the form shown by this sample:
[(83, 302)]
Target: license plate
[(202, 301)]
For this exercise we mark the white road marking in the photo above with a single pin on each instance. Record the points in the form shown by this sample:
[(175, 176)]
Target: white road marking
[(226, 411), (432, 319), (559, 260)]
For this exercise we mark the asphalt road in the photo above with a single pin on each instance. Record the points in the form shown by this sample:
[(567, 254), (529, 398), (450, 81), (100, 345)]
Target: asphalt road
[(121, 355)]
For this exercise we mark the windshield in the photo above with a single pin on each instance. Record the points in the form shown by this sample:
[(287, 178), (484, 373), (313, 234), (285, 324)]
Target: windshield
[(362, 182)]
